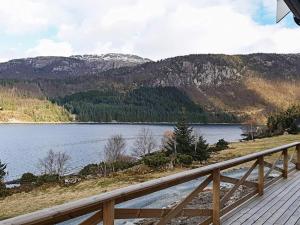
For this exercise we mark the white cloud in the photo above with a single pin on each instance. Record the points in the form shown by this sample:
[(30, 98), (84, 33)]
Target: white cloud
[(155, 29), (21, 16), (50, 47)]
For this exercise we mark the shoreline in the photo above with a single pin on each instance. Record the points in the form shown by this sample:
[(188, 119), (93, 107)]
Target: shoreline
[(51, 196), (112, 123)]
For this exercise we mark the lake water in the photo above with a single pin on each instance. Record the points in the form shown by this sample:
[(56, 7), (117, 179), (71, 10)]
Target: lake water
[(21, 145)]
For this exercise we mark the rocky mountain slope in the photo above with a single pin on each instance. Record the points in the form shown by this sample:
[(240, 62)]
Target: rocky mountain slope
[(250, 86), (60, 67)]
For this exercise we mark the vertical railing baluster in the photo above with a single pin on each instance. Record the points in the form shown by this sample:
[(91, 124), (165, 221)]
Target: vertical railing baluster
[(216, 197), (298, 157), (285, 163), (261, 175), (109, 213)]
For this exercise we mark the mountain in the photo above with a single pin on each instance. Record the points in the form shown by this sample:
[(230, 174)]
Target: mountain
[(247, 86), (61, 67)]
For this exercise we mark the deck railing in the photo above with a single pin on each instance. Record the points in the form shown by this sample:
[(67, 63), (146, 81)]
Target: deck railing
[(101, 208)]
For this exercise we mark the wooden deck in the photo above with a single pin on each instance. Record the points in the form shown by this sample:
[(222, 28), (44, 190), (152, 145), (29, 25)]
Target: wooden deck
[(279, 205)]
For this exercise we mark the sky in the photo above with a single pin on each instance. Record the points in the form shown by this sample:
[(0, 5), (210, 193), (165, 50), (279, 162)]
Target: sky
[(154, 29)]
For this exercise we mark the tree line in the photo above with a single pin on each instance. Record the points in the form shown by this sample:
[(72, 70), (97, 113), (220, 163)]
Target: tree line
[(281, 122), (145, 104), (285, 121)]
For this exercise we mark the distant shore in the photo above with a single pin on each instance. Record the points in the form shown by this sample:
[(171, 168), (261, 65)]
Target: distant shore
[(116, 123)]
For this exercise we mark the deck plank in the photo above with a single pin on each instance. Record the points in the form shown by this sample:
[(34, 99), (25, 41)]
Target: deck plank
[(254, 203), (295, 218), (259, 215), (278, 210), (288, 213), (279, 205)]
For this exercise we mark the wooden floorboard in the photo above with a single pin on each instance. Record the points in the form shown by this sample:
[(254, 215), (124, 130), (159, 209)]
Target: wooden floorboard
[(260, 213), (294, 208), (254, 203), (294, 219), (279, 205)]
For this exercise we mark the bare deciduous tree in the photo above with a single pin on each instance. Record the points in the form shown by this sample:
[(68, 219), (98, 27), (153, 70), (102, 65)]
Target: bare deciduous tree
[(145, 143), (47, 164), (114, 149), (168, 135), (62, 159), (250, 129), (54, 163)]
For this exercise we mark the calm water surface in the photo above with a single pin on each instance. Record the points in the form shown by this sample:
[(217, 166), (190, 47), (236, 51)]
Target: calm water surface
[(21, 145)]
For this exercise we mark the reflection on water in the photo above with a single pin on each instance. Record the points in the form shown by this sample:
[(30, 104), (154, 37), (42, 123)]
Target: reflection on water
[(21, 145)]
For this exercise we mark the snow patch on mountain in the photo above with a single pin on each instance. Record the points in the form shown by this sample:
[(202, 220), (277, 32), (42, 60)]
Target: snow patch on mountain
[(113, 57)]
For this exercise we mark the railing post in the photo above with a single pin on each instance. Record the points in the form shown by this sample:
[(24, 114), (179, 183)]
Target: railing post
[(298, 157), (261, 175), (216, 197), (285, 163), (109, 213)]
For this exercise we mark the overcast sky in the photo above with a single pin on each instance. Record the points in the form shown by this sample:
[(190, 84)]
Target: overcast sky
[(154, 29)]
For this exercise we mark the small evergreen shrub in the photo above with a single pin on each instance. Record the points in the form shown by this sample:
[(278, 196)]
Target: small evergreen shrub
[(105, 168), (47, 178), (90, 169), (294, 129), (221, 145), (3, 190), (122, 165), (28, 178), (183, 159), (156, 160)]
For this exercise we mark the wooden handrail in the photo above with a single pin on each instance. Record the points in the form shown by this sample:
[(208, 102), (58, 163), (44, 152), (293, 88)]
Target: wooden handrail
[(91, 204)]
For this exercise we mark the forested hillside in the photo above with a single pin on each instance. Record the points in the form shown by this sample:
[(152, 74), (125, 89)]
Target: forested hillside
[(247, 86), (18, 106), (161, 104)]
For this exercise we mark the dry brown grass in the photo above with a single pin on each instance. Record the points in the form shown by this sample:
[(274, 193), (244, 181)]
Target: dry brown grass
[(244, 148), (279, 94), (43, 197), (22, 107), (40, 198)]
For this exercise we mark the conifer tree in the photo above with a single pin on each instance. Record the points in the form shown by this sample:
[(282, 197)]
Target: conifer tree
[(2, 171), (184, 141), (201, 149), (183, 138)]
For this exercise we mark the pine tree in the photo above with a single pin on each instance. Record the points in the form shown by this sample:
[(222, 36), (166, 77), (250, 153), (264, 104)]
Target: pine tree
[(202, 152), (183, 138), (2, 171)]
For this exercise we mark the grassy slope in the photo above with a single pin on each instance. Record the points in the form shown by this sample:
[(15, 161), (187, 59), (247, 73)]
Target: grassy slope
[(255, 97), (22, 107), (278, 95), (45, 197)]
